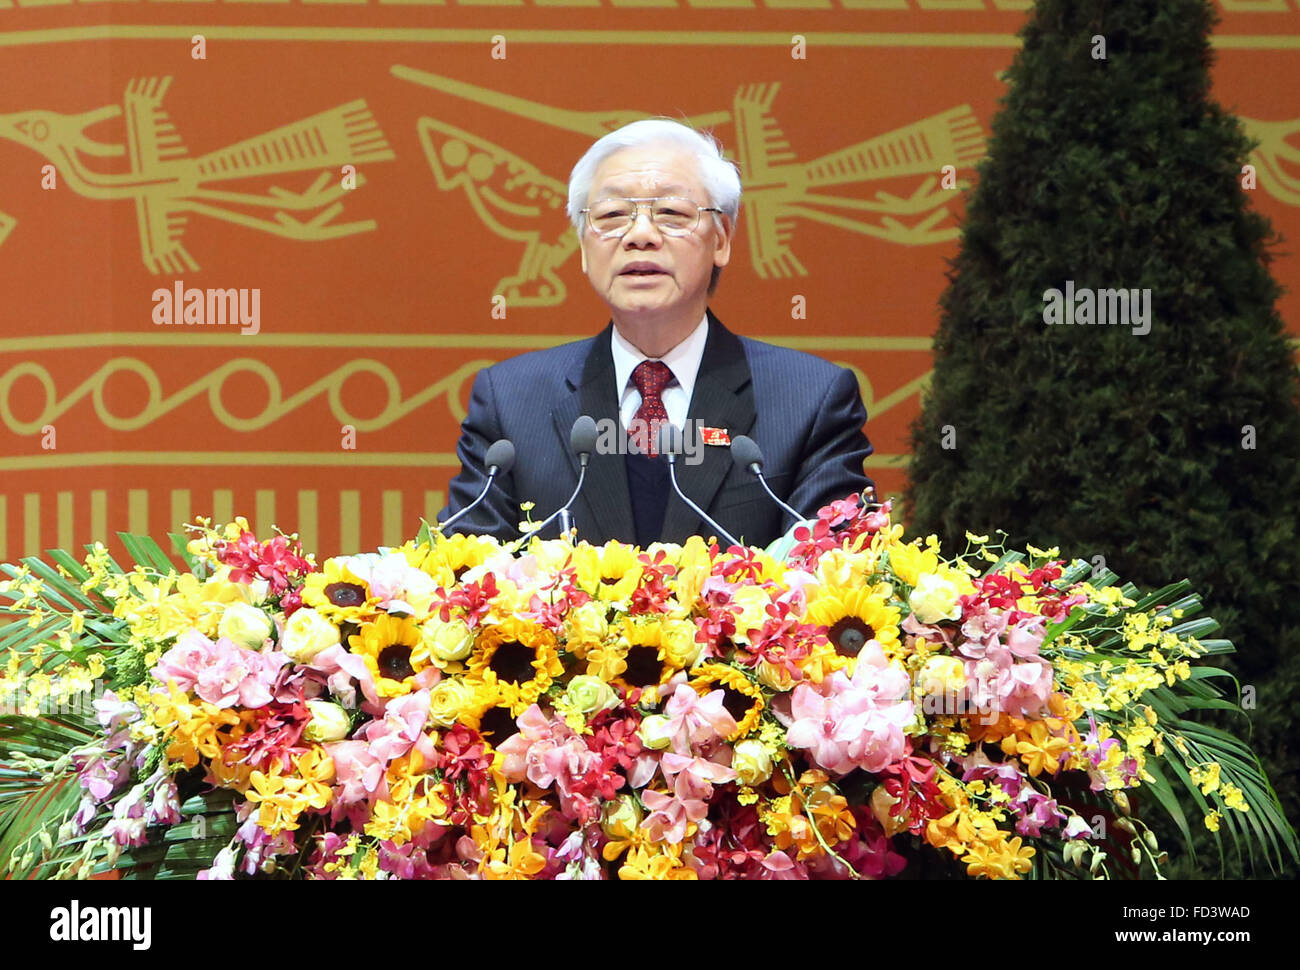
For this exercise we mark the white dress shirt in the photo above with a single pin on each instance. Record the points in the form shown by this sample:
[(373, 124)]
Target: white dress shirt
[(683, 360)]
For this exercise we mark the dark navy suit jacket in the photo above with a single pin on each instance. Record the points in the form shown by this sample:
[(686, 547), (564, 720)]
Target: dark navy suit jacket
[(803, 412)]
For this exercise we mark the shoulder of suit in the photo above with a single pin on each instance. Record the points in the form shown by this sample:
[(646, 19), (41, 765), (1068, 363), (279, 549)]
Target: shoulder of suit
[(765, 357), (556, 360)]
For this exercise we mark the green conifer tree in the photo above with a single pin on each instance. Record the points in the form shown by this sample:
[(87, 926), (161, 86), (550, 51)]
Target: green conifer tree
[(1169, 453)]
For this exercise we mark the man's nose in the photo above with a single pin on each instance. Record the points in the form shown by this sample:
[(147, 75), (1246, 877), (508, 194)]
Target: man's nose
[(643, 228)]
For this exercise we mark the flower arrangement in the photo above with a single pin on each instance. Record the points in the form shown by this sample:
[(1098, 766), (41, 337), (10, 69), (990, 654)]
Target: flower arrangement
[(845, 704)]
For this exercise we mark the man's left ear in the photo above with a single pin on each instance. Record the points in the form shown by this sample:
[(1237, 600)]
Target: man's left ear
[(722, 249)]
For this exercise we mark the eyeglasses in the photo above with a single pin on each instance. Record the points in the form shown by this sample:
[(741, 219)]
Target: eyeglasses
[(612, 218)]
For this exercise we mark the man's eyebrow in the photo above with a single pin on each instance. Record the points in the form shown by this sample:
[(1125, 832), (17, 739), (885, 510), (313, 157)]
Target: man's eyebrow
[(619, 189)]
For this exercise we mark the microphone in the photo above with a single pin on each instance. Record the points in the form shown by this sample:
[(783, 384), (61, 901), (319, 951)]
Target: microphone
[(500, 458), (669, 444), (746, 453), (582, 441)]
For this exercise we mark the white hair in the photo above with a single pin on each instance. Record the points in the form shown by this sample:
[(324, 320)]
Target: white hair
[(718, 175)]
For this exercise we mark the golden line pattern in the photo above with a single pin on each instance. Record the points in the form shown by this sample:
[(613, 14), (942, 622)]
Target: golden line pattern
[(167, 186), (155, 514), (598, 38), (930, 6)]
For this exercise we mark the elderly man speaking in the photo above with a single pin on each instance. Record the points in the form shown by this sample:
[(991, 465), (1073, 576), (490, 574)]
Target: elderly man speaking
[(655, 205)]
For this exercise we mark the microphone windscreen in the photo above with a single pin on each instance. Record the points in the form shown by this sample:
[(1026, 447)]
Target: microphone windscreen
[(744, 451), (582, 439), (501, 454), (669, 440)]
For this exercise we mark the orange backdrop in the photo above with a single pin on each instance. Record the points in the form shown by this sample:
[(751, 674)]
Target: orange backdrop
[(380, 170)]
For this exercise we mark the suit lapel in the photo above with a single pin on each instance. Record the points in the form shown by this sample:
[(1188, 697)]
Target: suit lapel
[(605, 492), (723, 398)]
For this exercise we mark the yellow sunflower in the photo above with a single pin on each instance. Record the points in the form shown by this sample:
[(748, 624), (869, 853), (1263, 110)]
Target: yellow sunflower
[(339, 595), (518, 658), (854, 616), (608, 573), (647, 653), (742, 698), (390, 648), (450, 557)]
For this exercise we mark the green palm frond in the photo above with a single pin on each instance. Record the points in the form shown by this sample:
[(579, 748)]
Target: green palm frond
[(35, 797)]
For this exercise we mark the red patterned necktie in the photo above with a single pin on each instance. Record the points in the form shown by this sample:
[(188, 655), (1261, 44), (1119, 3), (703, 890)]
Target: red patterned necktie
[(650, 378)]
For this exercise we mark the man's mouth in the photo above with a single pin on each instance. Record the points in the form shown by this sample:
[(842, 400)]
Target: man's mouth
[(642, 271)]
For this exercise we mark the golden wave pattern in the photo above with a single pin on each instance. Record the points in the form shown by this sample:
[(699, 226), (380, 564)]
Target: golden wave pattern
[(396, 405)]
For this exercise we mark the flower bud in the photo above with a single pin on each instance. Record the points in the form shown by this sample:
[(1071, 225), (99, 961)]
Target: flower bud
[(752, 762), (882, 807), (245, 625), (1136, 853), (1121, 802), (329, 722), (619, 818), (654, 732), (774, 676), (448, 642), (1126, 826), (1149, 838), (306, 634)]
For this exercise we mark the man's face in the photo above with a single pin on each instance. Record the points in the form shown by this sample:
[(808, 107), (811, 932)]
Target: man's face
[(684, 263)]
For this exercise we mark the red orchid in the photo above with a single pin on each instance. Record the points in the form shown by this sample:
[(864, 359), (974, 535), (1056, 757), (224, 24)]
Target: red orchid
[(475, 599), (275, 560)]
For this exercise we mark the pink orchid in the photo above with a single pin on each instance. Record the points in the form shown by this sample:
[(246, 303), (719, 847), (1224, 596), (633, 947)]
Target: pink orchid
[(696, 720), (697, 775), (393, 580), (339, 668), (858, 723), (221, 673), (358, 774), (778, 865), (400, 728), (669, 814)]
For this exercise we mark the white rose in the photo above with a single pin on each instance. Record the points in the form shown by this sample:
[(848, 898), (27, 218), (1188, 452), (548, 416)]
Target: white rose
[(587, 694), (306, 634), (935, 598), (245, 625), (448, 642), (942, 675), (450, 699), (752, 762), (329, 722)]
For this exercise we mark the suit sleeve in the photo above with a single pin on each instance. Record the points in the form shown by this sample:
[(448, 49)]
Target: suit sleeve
[(498, 513), (837, 447)]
